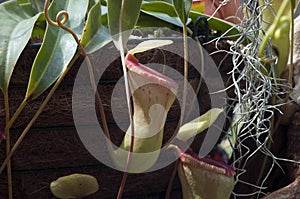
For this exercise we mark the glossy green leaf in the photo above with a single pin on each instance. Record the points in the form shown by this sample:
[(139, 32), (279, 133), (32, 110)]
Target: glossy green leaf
[(32, 6), (98, 40), (155, 8), (58, 47), (122, 18), (162, 11), (182, 8), (92, 3), (27, 7), (16, 28), (165, 17), (74, 186), (198, 125), (168, 1), (95, 35), (159, 7), (147, 19)]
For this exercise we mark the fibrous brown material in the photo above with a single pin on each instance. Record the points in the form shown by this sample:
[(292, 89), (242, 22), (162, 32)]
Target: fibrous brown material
[(53, 149)]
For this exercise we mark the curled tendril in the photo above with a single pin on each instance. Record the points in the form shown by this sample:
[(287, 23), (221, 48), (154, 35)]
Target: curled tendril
[(61, 19), (65, 16), (59, 15)]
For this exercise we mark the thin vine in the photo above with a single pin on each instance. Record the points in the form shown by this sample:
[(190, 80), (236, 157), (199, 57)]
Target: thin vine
[(59, 23), (7, 135)]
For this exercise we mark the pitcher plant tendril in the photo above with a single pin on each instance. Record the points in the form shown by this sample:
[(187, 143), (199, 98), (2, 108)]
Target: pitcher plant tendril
[(23, 104), (61, 23)]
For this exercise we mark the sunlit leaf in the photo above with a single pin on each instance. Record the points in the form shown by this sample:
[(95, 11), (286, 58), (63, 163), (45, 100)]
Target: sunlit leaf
[(198, 6), (155, 8), (163, 11), (198, 125), (148, 45), (74, 186), (165, 17), (168, 1), (27, 7), (92, 3), (58, 47), (148, 18), (159, 7), (32, 6), (16, 28)]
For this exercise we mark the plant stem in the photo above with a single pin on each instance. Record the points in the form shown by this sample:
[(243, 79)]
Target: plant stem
[(60, 23), (122, 186), (37, 114), (9, 174), (16, 115), (169, 189), (98, 97), (186, 72), (291, 65), (200, 79), (127, 91)]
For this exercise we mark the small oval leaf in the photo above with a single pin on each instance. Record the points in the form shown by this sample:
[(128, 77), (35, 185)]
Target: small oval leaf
[(74, 186)]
